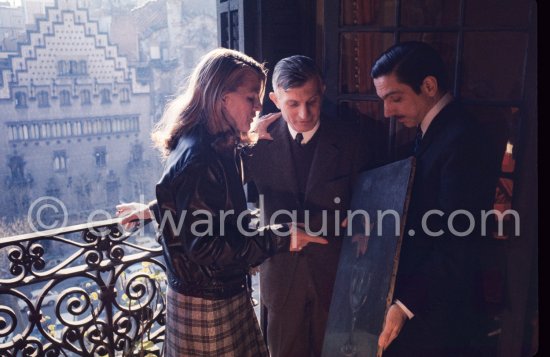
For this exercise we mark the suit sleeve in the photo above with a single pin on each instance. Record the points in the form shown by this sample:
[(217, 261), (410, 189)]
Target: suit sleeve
[(444, 275)]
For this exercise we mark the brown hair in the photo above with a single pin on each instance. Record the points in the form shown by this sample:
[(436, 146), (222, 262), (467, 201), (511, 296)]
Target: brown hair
[(219, 72)]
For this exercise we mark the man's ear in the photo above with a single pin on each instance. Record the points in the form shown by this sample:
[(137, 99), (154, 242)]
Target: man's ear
[(274, 99), (430, 86)]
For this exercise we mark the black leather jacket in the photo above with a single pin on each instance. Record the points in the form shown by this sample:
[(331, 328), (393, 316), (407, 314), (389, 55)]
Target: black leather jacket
[(207, 255)]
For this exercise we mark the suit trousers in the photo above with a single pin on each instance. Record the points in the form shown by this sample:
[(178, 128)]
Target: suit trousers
[(297, 327)]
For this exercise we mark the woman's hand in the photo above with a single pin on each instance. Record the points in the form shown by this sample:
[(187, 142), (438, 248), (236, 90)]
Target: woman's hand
[(259, 126), (299, 238), (132, 213)]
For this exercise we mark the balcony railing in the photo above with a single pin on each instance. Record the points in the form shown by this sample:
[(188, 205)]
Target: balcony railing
[(86, 290)]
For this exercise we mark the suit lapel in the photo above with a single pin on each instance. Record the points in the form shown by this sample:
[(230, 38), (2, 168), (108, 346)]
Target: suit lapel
[(281, 157), (434, 128), (324, 159)]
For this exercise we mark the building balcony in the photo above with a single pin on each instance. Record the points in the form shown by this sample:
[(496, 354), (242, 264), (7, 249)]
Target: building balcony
[(85, 290)]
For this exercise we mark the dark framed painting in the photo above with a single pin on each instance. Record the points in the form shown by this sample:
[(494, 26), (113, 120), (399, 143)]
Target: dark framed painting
[(369, 260)]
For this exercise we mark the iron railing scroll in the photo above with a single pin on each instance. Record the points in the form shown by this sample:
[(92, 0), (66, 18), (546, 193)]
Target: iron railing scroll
[(86, 290)]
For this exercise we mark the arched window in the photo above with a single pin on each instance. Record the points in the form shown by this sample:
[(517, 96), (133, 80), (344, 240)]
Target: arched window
[(56, 130), (25, 131), (59, 161), (87, 128), (106, 126), (73, 67), (62, 68), (13, 132), (20, 100), (105, 96), (43, 99), (100, 154), (124, 95), (35, 133), (85, 98), (77, 128), (44, 130), (82, 67), (17, 167), (64, 98)]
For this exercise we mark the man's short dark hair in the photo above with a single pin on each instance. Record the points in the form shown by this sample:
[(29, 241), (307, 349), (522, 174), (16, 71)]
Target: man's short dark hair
[(295, 71), (411, 62)]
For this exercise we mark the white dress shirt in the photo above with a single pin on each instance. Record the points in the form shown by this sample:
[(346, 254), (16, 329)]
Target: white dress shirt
[(307, 134)]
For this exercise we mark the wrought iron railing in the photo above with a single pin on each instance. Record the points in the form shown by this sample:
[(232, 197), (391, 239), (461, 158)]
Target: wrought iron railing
[(86, 290)]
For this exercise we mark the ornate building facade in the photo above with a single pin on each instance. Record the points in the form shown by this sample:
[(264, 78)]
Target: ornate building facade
[(75, 119)]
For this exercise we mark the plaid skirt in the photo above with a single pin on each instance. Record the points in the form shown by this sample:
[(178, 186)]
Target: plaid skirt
[(201, 327)]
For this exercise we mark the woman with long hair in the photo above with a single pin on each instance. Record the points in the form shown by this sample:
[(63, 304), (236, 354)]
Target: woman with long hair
[(201, 210)]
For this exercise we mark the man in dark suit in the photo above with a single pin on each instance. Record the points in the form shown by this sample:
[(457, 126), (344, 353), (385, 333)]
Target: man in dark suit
[(304, 174), (435, 300)]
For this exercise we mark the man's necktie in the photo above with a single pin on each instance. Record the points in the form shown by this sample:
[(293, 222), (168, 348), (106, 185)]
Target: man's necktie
[(417, 139), (299, 137)]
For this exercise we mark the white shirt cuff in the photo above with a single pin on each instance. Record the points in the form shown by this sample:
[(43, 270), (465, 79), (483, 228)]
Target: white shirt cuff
[(408, 312), (293, 240)]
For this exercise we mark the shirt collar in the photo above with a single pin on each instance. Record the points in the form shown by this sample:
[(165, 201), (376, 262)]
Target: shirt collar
[(432, 113), (307, 134)]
